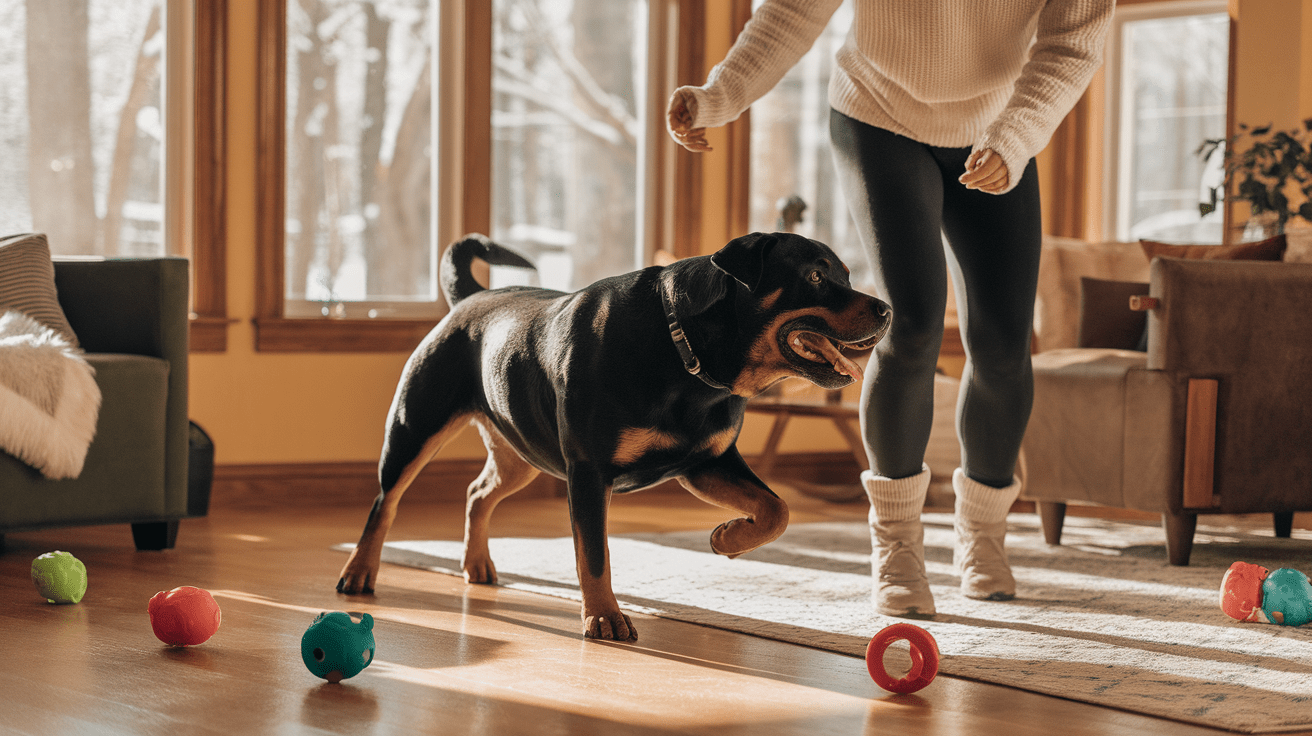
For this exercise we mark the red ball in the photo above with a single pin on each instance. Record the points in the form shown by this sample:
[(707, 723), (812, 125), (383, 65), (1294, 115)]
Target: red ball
[(924, 658), (184, 616)]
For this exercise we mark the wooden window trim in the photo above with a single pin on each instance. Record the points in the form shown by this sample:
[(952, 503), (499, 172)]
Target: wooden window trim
[(209, 319)]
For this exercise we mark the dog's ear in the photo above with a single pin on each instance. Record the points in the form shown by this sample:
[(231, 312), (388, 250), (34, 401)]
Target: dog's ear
[(744, 258)]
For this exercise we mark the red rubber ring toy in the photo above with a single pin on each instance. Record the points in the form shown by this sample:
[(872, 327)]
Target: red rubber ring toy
[(924, 658)]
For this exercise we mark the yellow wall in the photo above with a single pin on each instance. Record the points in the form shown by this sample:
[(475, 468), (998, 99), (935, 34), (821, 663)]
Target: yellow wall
[(301, 408)]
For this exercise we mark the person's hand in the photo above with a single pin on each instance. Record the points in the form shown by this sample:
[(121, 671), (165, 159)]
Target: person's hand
[(986, 171), (679, 117)]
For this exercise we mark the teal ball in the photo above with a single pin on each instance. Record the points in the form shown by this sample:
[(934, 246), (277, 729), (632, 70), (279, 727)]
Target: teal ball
[(335, 647), (1287, 597)]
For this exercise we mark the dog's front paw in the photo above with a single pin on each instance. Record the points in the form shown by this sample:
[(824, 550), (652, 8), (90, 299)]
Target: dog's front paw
[(355, 585), (479, 569), (733, 538), (614, 626), (357, 577)]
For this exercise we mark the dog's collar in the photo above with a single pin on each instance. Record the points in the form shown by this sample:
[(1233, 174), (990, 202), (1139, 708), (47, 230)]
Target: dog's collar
[(690, 361)]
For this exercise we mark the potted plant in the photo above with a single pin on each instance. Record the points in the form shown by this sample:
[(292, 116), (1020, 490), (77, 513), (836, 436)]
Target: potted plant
[(1273, 173)]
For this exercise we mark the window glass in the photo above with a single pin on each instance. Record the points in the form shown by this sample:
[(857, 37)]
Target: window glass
[(1172, 87), (81, 129), (791, 154), (567, 82), (359, 158)]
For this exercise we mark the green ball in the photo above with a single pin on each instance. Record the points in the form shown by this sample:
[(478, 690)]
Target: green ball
[(60, 577)]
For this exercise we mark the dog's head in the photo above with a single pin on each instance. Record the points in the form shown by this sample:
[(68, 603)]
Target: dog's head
[(796, 313)]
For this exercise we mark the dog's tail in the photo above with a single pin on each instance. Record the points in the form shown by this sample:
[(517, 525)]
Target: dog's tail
[(457, 278)]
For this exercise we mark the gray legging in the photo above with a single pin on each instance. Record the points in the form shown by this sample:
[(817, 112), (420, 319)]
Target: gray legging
[(904, 197)]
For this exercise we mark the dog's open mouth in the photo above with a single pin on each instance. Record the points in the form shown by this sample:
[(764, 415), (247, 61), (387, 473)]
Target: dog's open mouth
[(820, 349)]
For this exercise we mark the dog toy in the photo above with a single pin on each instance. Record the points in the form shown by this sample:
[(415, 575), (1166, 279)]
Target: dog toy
[(335, 647), (60, 577), (1252, 593), (184, 616), (924, 658)]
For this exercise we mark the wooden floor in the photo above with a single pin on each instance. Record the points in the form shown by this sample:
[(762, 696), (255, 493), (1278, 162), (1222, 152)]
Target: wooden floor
[(451, 658)]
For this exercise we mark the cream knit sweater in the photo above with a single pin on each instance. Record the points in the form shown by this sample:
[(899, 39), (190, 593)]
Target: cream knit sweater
[(997, 74)]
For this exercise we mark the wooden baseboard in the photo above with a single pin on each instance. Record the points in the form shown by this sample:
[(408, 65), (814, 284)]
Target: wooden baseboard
[(356, 483)]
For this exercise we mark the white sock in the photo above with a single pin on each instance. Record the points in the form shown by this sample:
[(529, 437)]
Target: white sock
[(896, 499), (982, 503)]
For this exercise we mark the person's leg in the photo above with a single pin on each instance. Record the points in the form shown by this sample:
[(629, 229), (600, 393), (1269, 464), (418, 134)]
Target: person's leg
[(893, 188), (995, 242)]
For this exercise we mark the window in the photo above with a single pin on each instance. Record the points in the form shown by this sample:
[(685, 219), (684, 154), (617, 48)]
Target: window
[(1167, 91), (569, 83), (98, 137), (390, 127), (791, 157), (84, 125), (359, 158)]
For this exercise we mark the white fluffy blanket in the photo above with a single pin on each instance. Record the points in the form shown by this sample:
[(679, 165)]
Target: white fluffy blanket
[(49, 400)]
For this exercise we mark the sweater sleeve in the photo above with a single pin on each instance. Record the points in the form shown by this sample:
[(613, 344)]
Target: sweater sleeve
[(1067, 51), (778, 34)]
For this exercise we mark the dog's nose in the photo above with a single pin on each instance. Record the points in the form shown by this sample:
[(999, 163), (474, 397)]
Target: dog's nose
[(882, 309)]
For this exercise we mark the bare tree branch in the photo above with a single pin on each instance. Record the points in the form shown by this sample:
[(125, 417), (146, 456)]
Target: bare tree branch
[(514, 82), (120, 173), (609, 106)]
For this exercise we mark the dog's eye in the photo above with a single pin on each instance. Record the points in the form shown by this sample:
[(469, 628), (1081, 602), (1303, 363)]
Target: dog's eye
[(815, 277)]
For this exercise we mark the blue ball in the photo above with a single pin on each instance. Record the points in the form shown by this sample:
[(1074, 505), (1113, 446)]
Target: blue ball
[(335, 647), (1287, 597)]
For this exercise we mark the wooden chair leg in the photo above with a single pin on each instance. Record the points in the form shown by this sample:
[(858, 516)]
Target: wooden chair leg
[(1052, 514), (1284, 523), (1179, 537), (155, 535), (765, 465)]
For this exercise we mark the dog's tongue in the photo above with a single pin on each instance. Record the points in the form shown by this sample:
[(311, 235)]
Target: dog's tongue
[(822, 346)]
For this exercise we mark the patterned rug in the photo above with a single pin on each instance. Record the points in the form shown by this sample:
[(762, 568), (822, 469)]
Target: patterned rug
[(1101, 619)]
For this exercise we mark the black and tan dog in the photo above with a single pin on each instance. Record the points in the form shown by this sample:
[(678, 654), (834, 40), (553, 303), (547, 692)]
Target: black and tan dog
[(629, 382)]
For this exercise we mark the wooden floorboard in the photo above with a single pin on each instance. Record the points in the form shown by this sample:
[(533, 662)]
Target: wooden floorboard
[(451, 658)]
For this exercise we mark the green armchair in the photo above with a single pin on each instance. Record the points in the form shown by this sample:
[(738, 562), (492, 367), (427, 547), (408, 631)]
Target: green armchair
[(131, 318)]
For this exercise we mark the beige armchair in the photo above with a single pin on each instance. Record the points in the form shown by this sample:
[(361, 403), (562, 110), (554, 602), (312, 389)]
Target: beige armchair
[(1216, 416)]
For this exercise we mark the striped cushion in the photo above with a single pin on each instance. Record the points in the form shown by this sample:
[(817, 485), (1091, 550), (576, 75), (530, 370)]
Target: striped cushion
[(27, 282)]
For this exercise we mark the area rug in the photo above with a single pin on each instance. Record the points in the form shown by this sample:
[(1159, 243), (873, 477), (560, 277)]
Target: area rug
[(1101, 619)]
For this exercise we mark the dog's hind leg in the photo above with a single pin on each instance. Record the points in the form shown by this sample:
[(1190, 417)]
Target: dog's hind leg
[(504, 473), (361, 570), (727, 482)]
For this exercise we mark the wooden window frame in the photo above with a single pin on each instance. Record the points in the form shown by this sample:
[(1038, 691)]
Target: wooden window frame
[(209, 318), (465, 150)]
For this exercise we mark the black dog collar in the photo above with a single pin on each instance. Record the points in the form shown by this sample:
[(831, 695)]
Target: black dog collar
[(690, 361)]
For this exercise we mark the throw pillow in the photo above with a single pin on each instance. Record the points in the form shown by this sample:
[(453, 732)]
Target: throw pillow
[(1106, 320), (27, 282), (1270, 249)]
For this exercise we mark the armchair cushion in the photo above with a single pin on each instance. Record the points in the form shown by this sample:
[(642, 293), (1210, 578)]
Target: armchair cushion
[(124, 475), (27, 282), (1117, 410)]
